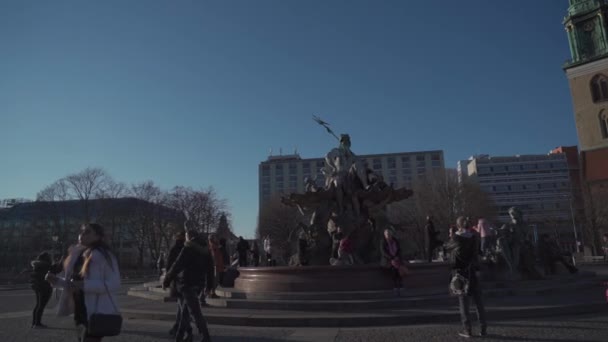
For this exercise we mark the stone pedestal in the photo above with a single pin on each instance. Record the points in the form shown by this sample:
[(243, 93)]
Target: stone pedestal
[(336, 278)]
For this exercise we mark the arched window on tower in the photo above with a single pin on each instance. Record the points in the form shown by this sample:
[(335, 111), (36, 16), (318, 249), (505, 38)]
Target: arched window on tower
[(599, 88), (604, 123)]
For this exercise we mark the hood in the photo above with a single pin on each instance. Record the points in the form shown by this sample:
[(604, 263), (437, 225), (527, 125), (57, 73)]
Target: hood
[(466, 234), (197, 246), (39, 263)]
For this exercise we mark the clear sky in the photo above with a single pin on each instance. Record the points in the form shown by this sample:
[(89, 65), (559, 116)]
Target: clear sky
[(195, 93)]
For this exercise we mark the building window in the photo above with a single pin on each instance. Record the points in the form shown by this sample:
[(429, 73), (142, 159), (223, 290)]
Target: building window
[(435, 157), (436, 163), (293, 169), (392, 163), (599, 88), (604, 124), (265, 170), (377, 164)]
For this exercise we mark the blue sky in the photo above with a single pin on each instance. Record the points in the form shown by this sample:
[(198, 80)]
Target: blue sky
[(195, 93)]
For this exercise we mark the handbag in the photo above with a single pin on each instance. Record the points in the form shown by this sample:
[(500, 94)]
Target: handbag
[(459, 284), (105, 324)]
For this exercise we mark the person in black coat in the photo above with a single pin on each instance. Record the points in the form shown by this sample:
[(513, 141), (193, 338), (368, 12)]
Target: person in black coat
[(391, 258), (192, 270), (180, 239), (464, 252), (432, 242), (40, 267), (242, 247)]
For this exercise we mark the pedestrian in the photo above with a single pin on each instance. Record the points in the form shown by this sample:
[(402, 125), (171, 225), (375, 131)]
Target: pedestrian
[(192, 271), (268, 250), (605, 246), (176, 249), (255, 254), (551, 253), (464, 282), (432, 241), (160, 263), (91, 278), (40, 267), (336, 236), (391, 258), (302, 248), (218, 262), (225, 253), (242, 247)]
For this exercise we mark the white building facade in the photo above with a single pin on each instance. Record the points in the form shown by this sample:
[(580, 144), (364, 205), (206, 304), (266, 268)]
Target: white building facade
[(286, 174)]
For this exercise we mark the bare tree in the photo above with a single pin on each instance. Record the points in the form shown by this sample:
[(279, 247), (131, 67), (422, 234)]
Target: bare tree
[(444, 198), (281, 223), (86, 185), (203, 207)]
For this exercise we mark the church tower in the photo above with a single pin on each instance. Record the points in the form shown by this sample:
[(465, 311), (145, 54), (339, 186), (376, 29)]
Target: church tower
[(587, 28)]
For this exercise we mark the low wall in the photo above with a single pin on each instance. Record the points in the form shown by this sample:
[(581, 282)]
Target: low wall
[(336, 278)]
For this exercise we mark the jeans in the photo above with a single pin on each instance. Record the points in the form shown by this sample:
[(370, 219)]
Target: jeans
[(43, 295), (189, 305), (463, 301)]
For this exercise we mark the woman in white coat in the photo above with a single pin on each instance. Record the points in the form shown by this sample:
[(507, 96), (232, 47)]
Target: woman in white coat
[(91, 277)]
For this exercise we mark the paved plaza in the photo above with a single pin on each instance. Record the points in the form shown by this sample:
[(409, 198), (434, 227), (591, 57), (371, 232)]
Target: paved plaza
[(16, 309), (588, 328)]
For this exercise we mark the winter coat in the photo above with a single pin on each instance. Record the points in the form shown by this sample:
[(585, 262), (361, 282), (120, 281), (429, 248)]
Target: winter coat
[(39, 271), (101, 282), (386, 254), (464, 250), (174, 252), (193, 267), (242, 246), (218, 258)]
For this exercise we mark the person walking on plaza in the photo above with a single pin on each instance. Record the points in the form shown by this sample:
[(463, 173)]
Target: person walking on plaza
[(91, 279), (174, 252), (160, 263), (391, 258), (336, 237), (268, 250), (218, 262), (40, 267), (193, 270), (605, 246), (464, 250), (255, 254), (432, 241), (242, 247), (551, 253), (483, 228)]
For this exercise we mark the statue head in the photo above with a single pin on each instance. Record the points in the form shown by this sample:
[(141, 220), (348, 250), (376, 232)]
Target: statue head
[(515, 214), (345, 140)]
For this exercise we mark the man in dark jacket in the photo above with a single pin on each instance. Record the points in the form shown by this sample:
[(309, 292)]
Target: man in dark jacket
[(432, 242), (242, 247), (40, 267), (464, 251), (180, 239), (192, 270)]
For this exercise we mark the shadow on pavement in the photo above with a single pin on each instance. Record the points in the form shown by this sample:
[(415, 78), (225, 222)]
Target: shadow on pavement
[(215, 337), (549, 326), (529, 339)]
